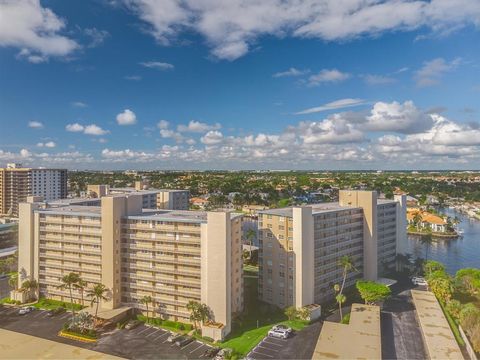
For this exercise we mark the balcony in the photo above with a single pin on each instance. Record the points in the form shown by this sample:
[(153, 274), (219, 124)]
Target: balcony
[(165, 249), (166, 260), (166, 280), (163, 238)]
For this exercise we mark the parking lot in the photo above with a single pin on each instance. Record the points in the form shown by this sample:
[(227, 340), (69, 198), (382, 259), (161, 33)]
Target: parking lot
[(269, 348), (145, 342), (300, 345), (142, 342)]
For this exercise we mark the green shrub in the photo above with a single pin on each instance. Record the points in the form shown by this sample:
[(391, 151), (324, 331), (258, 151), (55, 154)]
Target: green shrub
[(346, 319), (181, 327), (206, 338)]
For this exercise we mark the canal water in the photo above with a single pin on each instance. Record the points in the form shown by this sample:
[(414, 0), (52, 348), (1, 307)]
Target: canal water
[(454, 253)]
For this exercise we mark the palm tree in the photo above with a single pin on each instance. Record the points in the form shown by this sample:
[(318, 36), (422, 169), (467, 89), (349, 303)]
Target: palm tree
[(346, 262), (417, 219), (30, 285), (145, 301), (194, 308), (68, 281), (427, 241), (97, 293), (13, 280), (204, 313), (81, 285), (340, 298), (250, 236)]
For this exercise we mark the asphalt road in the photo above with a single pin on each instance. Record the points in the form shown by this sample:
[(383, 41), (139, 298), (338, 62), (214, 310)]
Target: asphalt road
[(401, 334)]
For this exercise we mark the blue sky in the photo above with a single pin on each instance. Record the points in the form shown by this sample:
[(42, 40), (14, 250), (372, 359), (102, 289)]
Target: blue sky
[(164, 84)]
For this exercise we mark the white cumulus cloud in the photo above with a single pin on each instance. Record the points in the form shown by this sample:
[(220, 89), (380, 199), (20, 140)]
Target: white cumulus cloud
[(35, 124), (231, 28), (127, 117), (34, 29), (197, 127)]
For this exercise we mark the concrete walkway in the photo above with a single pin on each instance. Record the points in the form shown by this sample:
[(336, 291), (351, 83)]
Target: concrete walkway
[(439, 339)]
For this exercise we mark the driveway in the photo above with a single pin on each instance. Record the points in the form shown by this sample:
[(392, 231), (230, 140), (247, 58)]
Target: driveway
[(143, 342), (401, 334)]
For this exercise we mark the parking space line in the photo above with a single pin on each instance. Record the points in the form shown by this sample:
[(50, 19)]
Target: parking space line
[(263, 347), (193, 342), (38, 313), (275, 339), (141, 332), (258, 352), (45, 315), (157, 330), (271, 343), (65, 316), (201, 345), (158, 337)]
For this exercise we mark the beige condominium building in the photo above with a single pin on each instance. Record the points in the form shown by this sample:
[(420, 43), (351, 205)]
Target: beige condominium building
[(170, 199), (300, 246), (174, 256), (17, 182)]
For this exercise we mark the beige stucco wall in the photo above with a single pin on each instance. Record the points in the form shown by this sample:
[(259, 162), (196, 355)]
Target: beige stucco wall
[(113, 208), (26, 242), (401, 223), (304, 251), (216, 267)]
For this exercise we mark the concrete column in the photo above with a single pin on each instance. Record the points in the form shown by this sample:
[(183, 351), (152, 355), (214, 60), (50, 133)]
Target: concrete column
[(401, 223), (367, 200), (304, 252), (26, 242), (216, 280)]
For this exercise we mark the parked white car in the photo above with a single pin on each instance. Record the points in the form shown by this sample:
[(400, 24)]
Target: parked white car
[(279, 333), (282, 327), (25, 310), (419, 281)]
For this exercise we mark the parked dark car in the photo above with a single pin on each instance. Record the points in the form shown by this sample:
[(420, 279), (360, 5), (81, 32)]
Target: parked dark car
[(211, 352), (174, 337), (57, 311), (132, 324), (183, 341)]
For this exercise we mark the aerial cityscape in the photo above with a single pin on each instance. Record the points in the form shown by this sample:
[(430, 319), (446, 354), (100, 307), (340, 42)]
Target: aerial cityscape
[(240, 179)]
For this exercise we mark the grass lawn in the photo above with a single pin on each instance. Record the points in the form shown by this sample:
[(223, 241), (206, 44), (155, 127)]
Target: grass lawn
[(49, 304), (245, 334)]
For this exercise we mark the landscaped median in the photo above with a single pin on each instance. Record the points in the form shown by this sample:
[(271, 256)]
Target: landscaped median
[(49, 304), (166, 324), (77, 337)]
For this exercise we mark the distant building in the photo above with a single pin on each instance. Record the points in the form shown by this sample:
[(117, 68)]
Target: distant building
[(253, 209), (8, 239), (425, 220), (151, 198), (17, 182), (201, 203), (300, 246)]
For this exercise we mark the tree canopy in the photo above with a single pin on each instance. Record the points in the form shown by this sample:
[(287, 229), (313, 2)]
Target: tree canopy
[(372, 292)]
